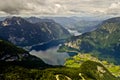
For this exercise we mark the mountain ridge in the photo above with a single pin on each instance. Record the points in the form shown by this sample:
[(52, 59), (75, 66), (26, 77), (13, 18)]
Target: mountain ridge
[(104, 42), (23, 33), (30, 67)]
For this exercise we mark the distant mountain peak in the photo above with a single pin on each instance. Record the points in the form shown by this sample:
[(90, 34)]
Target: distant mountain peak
[(112, 20), (13, 21), (23, 32), (38, 20)]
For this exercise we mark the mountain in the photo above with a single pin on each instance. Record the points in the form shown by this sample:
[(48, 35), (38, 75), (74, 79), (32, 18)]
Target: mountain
[(104, 42), (89, 70), (64, 21), (95, 71), (84, 26), (80, 24), (77, 60), (23, 33), (75, 25), (37, 20), (2, 18), (10, 54), (16, 63)]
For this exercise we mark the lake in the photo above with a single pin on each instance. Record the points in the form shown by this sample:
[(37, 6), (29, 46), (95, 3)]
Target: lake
[(48, 52)]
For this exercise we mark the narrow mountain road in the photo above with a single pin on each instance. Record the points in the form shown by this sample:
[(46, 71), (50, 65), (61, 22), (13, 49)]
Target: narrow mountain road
[(57, 77), (68, 78), (81, 76)]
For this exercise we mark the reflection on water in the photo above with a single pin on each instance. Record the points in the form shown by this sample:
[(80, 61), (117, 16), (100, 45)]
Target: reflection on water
[(51, 56)]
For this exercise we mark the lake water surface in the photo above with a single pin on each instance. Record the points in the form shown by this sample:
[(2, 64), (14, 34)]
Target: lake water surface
[(50, 55)]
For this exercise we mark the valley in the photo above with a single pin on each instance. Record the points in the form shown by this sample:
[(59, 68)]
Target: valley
[(59, 39), (41, 49)]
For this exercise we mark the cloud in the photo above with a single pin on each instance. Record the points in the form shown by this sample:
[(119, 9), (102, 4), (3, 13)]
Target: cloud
[(115, 5), (59, 7), (114, 9)]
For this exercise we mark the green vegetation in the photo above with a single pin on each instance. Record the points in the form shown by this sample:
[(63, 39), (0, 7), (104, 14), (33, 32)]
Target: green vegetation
[(76, 61), (8, 48), (89, 70), (12, 55), (96, 71), (32, 68), (101, 47), (103, 43)]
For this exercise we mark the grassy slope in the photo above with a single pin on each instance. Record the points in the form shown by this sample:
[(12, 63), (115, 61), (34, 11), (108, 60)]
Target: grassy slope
[(77, 60)]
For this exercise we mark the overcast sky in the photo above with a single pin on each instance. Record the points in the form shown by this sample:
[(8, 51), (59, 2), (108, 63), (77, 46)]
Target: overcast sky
[(60, 7)]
